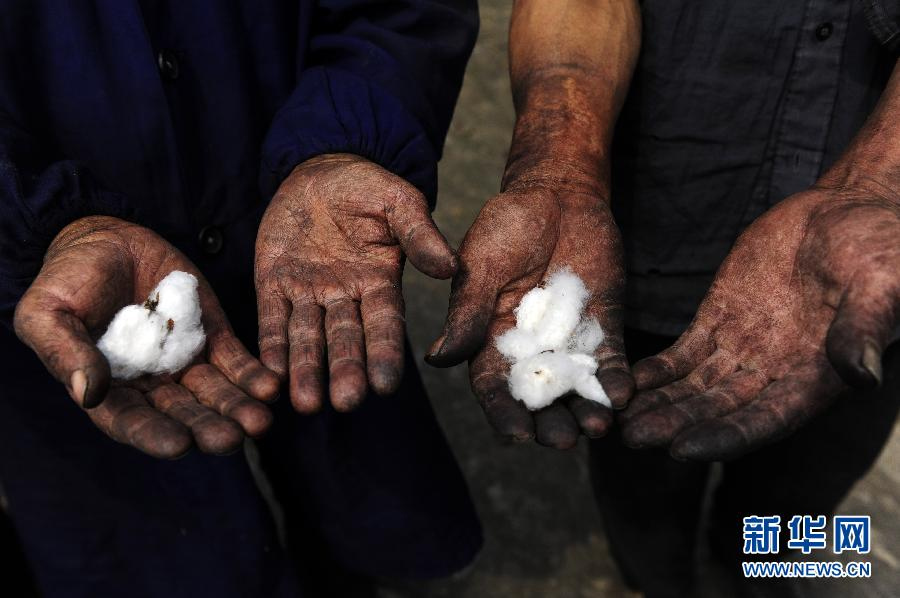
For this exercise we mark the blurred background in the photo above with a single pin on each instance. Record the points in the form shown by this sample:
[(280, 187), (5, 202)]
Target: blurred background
[(544, 537)]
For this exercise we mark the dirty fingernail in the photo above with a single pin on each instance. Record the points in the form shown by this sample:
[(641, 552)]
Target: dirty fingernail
[(871, 361), (437, 345), (78, 384)]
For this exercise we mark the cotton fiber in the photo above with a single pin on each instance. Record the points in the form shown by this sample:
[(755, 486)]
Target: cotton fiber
[(551, 347), (161, 336)]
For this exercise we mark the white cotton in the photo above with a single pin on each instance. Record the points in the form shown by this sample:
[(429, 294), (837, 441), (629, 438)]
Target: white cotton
[(551, 346), (539, 380), (531, 308), (517, 344), (587, 337), (132, 341), (160, 336), (177, 298)]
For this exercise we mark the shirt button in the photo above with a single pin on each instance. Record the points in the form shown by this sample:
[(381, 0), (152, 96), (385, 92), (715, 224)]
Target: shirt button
[(168, 64), (823, 31), (211, 240)]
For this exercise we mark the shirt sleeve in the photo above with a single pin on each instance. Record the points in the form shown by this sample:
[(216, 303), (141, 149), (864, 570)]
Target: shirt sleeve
[(379, 81), (39, 196), (883, 17)]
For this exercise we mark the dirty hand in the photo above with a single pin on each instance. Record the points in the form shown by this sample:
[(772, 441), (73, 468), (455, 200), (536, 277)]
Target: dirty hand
[(93, 268), (329, 260), (521, 236), (806, 302)]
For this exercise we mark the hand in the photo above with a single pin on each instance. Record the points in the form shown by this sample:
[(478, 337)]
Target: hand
[(807, 300), (523, 234), (93, 268), (329, 260)]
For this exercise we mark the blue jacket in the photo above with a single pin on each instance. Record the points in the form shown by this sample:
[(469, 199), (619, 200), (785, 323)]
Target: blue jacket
[(183, 116)]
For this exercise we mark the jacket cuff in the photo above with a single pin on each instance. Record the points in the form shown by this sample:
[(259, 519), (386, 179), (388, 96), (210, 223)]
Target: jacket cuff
[(63, 193), (335, 111)]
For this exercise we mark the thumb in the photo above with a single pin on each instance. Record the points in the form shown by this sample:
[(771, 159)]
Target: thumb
[(422, 242), (471, 307), (866, 318), (63, 344)]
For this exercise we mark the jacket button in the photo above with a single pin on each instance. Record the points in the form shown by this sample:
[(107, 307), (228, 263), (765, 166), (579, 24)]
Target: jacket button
[(823, 31), (168, 64), (211, 240)]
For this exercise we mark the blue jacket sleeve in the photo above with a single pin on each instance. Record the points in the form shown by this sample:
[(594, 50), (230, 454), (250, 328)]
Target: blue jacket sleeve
[(380, 80), (39, 196)]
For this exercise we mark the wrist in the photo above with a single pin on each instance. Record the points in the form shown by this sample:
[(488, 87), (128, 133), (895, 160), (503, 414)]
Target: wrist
[(872, 161), (561, 137)]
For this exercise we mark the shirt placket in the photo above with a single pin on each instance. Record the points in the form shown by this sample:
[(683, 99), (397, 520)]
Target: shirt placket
[(808, 102)]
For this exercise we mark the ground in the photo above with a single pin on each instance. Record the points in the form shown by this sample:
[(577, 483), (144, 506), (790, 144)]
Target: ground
[(544, 537)]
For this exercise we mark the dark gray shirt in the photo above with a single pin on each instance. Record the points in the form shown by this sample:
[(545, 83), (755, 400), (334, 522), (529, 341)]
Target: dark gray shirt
[(735, 104)]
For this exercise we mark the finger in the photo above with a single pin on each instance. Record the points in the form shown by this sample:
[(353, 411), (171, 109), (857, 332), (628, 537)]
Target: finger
[(510, 418), (227, 353), (691, 348), (382, 316), (555, 427), (865, 320), (212, 433), (126, 417), (307, 357), (613, 373), (472, 299), (658, 427), (422, 242), (346, 364), (212, 389), (715, 368), (781, 407), (613, 370), (64, 346), (274, 312), (593, 418)]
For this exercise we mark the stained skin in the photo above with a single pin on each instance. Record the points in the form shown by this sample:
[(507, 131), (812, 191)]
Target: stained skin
[(329, 262), (94, 267)]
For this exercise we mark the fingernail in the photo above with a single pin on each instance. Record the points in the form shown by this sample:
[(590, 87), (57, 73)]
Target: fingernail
[(871, 361), (436, 346), (78, 385)]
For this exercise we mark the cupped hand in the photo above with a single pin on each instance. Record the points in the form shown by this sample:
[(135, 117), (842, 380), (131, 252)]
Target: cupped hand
[(329, 262), (520, 237), (93, 268), (805, 303)]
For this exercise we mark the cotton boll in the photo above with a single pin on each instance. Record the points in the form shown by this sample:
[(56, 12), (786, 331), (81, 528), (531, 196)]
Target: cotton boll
[(516, 344), (177, 298), (161, 336), (585, 382), (551, 348), (584, 362), (567, 298), (590, 388), (539, 380), (133, 341), (587, 337), (179, 349), (532, 308)]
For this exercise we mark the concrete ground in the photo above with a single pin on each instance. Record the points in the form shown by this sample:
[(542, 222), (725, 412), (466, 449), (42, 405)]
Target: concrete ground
[(544, 537)]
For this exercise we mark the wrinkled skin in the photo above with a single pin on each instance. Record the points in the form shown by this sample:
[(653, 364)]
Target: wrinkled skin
[(805, 303), (520, 237), (93, 268), (329, 261)]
